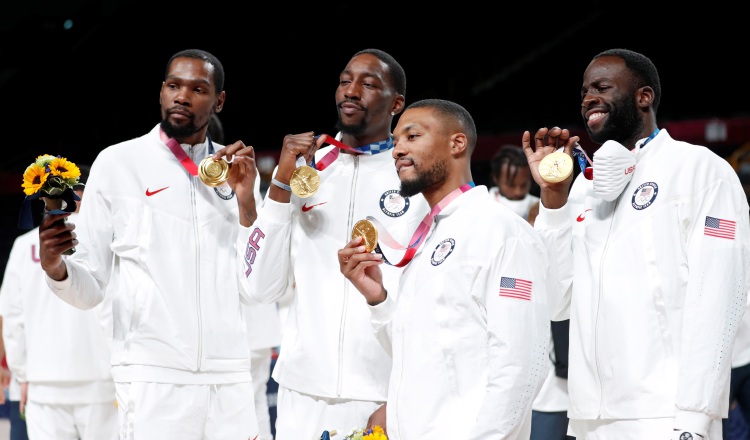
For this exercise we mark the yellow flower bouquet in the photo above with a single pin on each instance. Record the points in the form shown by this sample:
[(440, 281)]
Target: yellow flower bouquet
[(50, 179), (374, 433)]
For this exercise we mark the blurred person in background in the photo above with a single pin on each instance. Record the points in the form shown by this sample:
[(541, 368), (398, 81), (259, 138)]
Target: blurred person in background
[(59, 354), (511, 176)]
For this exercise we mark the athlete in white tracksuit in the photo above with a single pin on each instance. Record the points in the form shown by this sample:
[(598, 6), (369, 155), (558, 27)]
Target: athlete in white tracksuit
[(468, 360), (654, 297), (159, 242), (60, 352), (328, 348)]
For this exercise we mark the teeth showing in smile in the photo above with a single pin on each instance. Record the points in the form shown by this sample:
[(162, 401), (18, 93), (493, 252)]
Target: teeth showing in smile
[(595, 116)]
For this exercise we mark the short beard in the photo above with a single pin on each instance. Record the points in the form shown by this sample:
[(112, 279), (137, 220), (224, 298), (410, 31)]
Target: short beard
[(424, 180), (355, 130), (623, 122), (180, 131)]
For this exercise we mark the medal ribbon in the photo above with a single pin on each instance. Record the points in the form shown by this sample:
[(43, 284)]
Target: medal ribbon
[(420, 233), (180, 154), (374, 148), (582, 157)]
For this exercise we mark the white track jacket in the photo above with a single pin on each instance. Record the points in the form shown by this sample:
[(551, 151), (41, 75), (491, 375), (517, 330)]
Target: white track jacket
[(63, 352), (328, 348), (469, 327), (161, 243), (655, 286)]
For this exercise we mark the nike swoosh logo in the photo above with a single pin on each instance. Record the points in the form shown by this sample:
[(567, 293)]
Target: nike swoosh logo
[(582, 217), (306, 208), (151, 193)]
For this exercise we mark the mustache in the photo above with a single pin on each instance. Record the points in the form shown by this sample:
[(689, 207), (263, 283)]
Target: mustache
[(353, 102), (180, 109)]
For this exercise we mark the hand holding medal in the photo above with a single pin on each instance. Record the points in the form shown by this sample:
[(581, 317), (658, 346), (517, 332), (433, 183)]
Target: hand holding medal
[(305, 180), (366, 229), (213, 172), (556, 167)]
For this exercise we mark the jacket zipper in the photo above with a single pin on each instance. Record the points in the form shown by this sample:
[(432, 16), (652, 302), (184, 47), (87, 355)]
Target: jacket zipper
[(342, 322), (599, 308), (196, 231)]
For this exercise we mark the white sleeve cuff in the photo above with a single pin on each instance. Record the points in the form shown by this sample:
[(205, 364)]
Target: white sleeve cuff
[(383, 312), (692, 421), (551, 218)]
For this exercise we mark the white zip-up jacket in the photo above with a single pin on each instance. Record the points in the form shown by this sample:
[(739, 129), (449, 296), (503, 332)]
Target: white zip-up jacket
[(63, 352), (328, 348), (161, 243), (654, 297), (469, 348)]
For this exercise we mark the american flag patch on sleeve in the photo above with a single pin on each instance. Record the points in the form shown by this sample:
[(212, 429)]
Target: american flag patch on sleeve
[(718, 227), (515, 288)]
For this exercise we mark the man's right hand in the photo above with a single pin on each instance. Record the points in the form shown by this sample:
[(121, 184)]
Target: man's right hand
[(295, 145), (547, 141), (55, 237)]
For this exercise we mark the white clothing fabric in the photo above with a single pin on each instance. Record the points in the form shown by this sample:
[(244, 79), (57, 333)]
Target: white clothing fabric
[(553, 396), (520, 207), (62, 352), (158, 411), (92, 421), (635, 429), (741, 351), (328, 349), (155, 238), (330, 414), (260, 368), (654, 299), (462, 366)]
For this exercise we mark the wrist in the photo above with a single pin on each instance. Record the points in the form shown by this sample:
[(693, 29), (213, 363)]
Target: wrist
[(283, 185)]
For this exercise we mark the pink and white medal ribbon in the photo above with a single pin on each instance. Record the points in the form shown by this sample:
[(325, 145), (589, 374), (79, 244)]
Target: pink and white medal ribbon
[(420, 234)]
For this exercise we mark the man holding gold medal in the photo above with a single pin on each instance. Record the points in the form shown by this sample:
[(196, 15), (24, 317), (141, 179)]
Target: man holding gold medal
[(649, 255), (468, 325), (154, 236), (332, 372)]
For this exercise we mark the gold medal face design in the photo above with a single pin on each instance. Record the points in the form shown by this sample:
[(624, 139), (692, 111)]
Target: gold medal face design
[(366, 229), (556, 167), (305, 181), (213, 172)]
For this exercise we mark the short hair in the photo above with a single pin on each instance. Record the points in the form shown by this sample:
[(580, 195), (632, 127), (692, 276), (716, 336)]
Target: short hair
[(511, 155), (643, 70), (395, 71), (459, 115), (199, 54)]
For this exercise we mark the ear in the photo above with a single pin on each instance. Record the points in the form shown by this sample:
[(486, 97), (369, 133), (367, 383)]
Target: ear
[(459, 144), (220, 101), (398, 105), (645, 97)]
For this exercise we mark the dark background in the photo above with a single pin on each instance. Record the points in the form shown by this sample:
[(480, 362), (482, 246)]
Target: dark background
[(515, 66)]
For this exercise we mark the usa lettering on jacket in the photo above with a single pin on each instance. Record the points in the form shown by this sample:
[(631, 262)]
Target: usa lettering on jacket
[(252, 248)]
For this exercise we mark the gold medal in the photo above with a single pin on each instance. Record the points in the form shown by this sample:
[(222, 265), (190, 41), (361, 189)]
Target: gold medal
[(366, 229), (556, 167), (304, 181), (213, 172)]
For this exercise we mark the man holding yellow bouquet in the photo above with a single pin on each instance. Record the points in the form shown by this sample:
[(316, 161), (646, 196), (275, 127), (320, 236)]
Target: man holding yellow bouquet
[(159, 242)]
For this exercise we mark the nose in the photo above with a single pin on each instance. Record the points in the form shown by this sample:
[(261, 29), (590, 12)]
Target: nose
[(397, 151), (182, 97), (352, 91), (587, 100)]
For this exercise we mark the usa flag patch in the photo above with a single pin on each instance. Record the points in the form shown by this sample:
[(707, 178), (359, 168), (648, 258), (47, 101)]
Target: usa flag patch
[(515, 288), (718, 227)]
